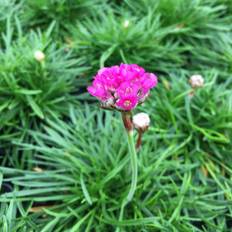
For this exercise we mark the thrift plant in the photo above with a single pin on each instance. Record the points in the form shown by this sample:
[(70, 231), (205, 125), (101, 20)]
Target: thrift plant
[(56, 175), (123, 88)]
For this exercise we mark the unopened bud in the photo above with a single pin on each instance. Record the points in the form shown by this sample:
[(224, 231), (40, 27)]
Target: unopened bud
[(141, 121), (39, 56), (196, 81), (126, 23)]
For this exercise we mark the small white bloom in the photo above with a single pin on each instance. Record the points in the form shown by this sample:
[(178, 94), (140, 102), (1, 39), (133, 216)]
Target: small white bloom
[(141, 121), (126, 23), (39, 55), (196, 81)]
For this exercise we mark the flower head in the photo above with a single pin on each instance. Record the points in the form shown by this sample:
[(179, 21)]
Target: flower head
[(196, 81), (124, 86), (127, 103)]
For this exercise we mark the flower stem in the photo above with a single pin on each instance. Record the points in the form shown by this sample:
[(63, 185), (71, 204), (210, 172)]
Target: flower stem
[(139, 140), (134, 175), (134, 165), (128, 124), (127, 121)]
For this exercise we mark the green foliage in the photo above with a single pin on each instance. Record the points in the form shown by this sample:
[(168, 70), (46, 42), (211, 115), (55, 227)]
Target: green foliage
[(193, 18), (65, 164), (202, 26), (105, 40), (160, 35), (8, 11), (227, 4), (219, 56), (41, 13), (31, 90), (9, 221), (202, 115), (84, 185)]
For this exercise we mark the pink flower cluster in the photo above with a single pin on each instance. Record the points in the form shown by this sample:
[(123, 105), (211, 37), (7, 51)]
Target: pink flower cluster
[(122, 87)]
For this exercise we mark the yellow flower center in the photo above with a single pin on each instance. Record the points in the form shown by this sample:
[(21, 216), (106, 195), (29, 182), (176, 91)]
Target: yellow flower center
[(127, 103)]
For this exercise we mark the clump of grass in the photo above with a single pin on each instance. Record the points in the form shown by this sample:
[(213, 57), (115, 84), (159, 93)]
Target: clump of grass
[(191, 19), (219, 56), (7, 8), (79, 178), (8, 12), (107, 40), (203, 116), (14, 218), (42, 13), (202, 27), (65, 173), (30, 90), (159, 35), (227, 4)]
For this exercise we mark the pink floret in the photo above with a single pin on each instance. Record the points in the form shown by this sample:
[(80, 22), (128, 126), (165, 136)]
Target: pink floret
[(128, 88), (127, 103)]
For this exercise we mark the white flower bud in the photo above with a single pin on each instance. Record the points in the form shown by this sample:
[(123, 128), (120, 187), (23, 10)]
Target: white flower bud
[(39, 55), (196, 81), (141, 121), (126, 23)]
